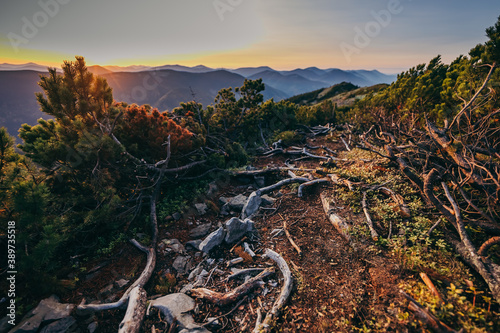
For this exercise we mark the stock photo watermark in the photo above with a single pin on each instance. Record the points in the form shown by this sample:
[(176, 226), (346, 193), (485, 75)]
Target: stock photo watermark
[(31, 26), (364, 35), (11, 272), (224, 6)]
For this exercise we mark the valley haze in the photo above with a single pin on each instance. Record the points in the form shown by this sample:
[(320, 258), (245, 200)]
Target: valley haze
[(165, 87)]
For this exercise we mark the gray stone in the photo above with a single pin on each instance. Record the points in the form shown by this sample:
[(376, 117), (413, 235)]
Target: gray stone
[(48, 310), (235, 229), (121, 283), (252, 205), (177, 216), (201, 208), (267, 200), (200, 231), (174, 245), (238, 202), (181, 264), (214, 239), (224, 200), (177, 306), (260, 181), (92, 327), (67, 324), (195, 244), (194, 273), (212, 189)]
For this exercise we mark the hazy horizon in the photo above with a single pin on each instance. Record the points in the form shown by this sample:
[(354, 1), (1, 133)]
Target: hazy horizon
[(387, 35)]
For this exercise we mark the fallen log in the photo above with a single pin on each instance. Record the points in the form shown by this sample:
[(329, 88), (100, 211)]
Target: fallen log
[(339, 223), (222, 299), (286, 290), (136, 309)]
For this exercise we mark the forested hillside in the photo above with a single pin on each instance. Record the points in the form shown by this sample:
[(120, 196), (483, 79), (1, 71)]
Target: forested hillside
[(406, 181)]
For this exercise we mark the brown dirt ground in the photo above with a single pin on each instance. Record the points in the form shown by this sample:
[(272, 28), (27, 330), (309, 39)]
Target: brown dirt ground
[(337, 285)]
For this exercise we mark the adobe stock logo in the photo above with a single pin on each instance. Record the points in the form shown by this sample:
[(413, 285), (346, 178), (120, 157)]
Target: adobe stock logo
[(30, 28), (363, 37), (223, 6)]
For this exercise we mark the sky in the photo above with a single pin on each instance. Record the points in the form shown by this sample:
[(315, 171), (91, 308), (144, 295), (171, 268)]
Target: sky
[(388, 35)]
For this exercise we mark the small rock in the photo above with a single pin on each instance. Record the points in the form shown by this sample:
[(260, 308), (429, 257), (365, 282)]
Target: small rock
[(181, 264), (177, 216), (212, 189), (121, 283), (260, 181), (201, 208), (66, 325), (200, 231), (224, 200), (177, 307), (187, 288), (237, 228), (47, 311), (194, 273), (92, 327), (267, 200), (214, 239), (252, 205), (174, 245), (195, 244), (213, 323), (236, 203)]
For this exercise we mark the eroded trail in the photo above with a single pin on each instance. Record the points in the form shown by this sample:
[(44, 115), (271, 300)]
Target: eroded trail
[(344, 278)]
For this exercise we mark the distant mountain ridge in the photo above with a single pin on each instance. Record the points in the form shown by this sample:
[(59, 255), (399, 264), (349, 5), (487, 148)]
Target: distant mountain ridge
[(165, 87)]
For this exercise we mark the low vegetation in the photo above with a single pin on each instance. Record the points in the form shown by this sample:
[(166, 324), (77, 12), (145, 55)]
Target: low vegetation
[(103, 171)]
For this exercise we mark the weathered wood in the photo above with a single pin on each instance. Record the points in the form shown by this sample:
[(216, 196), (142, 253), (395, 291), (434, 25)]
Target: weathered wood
[(431, 286), (427, 318), (309, 183), (254, 200), (285, 293), (369, 221), (233, 295), (244, 272), (489, 271), (345, 144), (339, 223), (403, 209), (483, 250), (290, 239), (136, 309)]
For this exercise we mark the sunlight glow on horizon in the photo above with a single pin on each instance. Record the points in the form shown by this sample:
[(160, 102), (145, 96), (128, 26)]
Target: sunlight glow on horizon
[(283, 34)]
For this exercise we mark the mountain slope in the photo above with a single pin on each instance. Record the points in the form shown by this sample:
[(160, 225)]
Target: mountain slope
[(292, 84), (18, 104)]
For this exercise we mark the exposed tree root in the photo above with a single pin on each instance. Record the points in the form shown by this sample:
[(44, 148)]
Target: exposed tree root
[(233, 295), (286, 290), (338, 222)]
